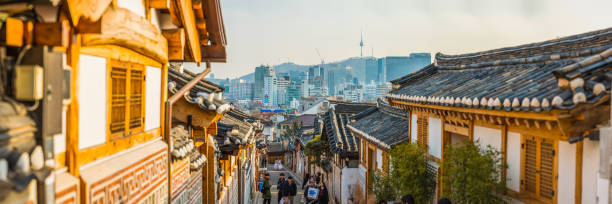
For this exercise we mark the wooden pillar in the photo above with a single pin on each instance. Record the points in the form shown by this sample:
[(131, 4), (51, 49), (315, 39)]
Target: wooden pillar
[(504, 147), (72, 126), (211, 174), (578, 187)]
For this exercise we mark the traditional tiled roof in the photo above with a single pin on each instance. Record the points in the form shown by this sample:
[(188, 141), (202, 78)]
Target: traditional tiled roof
[(183, 147), (306, 119), (555, 74), (340, 139), (205, 93), (382, 125)]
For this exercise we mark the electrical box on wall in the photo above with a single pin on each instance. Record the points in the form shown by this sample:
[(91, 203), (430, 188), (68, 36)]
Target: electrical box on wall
[(28, 82)]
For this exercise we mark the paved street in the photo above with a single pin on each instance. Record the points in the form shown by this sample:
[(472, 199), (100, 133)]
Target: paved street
[(274, 175)]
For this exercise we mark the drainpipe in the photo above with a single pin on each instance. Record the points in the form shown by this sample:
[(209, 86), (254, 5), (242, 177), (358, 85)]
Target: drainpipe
[(168, 126)]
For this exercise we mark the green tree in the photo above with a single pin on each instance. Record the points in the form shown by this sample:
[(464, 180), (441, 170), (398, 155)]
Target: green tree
[(410, 174), (292, 130), (316, 149), (382, 187), (472, 174)]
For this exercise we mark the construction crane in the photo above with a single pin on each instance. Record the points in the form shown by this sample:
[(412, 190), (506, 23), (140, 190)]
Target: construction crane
[(318, 53)]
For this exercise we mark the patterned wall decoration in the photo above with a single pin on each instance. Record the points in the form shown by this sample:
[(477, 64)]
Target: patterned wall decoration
[(191, 190), (138, 175), (66, 188)]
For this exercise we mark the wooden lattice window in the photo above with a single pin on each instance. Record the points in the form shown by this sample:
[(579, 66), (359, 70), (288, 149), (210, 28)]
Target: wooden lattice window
[(126, 99), (539, 168), (422, 132)]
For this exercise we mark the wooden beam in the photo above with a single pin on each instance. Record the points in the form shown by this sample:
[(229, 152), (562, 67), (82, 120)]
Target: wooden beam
[(176, 43), (578, 185), (188, 21), (88, 9), (550, 115), (86, 26), (52, 34), (159, 4), (13, 32), (125, 29)]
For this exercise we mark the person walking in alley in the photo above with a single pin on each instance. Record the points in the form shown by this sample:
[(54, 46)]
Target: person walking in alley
[(290, 189), (281, 182), (407, 199), (307, 198), (265, 190), (323, 194), (305, 179)]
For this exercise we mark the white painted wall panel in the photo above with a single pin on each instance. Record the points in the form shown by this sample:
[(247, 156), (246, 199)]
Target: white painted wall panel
[(590, 170), (379, 159), (350, 176), (135, 6), (413, 128), (435, 137), (566, 182), (92, 101), (488, 136), (513, 173), (152, 98)]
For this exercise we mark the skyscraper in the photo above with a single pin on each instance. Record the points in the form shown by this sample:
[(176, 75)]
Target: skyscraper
[(399, 66), (270, 92), (260, 73), (371, 70)]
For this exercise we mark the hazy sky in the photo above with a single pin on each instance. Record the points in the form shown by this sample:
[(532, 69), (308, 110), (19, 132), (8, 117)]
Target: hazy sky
[(276, 31)]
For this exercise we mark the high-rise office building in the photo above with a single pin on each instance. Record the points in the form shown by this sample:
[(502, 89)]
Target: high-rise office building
[(371, 70), (260, 73), (270, 92), (294, 92), (241, 90), (399, 66), (381, 70), (281, 90)]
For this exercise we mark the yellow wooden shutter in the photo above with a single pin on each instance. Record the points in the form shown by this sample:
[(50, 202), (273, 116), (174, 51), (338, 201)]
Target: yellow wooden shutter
[(136, 98), (547, 155), (422, 131), (530, 165), (118, 97), (385, 162)]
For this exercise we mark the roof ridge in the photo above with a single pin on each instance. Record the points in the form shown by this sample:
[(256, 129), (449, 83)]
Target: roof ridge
[(566, 39)]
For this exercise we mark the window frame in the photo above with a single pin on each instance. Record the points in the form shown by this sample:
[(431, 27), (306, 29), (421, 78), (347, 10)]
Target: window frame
[(127, 131)]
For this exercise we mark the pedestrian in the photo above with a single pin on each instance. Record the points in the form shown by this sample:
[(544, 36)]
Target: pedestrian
[(323, 194), (407, 199), (308, 199), (305, 180), (265, 190), (318, 178), (279, 185), (382, 202), (444, 200), (290, 189)]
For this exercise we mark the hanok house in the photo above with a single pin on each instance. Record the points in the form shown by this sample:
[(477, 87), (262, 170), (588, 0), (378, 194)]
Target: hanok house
[(305, 134), (541, 104), (342, 168), (93, 73), (379, 129), (236, 162), (193, 153)]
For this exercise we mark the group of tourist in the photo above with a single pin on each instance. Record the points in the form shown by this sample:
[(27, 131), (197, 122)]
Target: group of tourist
[(315, 191), (408, 199)]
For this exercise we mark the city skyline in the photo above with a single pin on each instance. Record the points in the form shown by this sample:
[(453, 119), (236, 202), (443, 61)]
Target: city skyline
[(410, 26)]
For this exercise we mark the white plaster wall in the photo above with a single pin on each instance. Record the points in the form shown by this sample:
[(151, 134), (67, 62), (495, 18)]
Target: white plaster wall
[(379, 159), (135, 6), (513, 158), (603, 186), (413, 129), (92, 101), (350, 176), (152, 98), (590, 169), (566, 183), (435, 137), (488, 136)]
